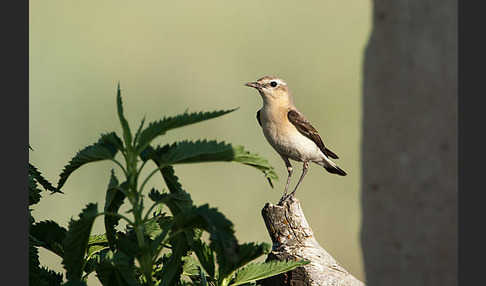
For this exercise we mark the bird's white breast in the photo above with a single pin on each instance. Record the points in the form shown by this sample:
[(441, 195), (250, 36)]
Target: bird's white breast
[(285, 138)]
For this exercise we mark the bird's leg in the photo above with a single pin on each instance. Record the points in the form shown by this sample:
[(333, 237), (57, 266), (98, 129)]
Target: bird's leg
[(289, 170), (304, 172)]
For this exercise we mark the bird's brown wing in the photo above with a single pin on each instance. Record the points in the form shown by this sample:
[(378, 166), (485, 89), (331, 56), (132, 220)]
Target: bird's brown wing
[(304, 127), (258, 118)]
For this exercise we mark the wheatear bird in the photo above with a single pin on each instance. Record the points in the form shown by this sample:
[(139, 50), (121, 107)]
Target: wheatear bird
[(289, 132)]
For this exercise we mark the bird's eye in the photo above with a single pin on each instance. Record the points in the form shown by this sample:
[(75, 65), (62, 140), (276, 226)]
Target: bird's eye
[(273, 83)]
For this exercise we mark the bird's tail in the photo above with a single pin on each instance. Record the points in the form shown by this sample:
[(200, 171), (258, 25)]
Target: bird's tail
[(331, 167)]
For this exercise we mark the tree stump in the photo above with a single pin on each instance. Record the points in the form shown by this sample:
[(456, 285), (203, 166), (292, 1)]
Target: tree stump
[(293, 239)]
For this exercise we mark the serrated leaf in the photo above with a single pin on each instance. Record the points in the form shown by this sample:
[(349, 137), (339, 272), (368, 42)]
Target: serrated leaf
[(258, 271), (126, 267), (106, 148), (205, 256), (127, 135), (190, 267), (152, 228), (36, 174), (96, 248), (127, 242), (177, 202), (48, 277), (172, 270), (96, 244), (50, 235), (193, 152), (34, 192), (254, 160), (113, 201), (155, 245), (38, 275), (115, 269), (76, 242), (171, 180), (208, 151), (180, 200), (250, 251), (158, 128), (75, 283), (221, 234), (97, 239)]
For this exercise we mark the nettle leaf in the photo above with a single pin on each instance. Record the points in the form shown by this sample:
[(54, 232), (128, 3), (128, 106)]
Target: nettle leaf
[(251, 251), (177, 202), (208, 151), (152, 228), (113, 201), (50, 235), (190, 267), (158, 128), (205, 255), (193, 152), (254, 160), (171, 180), (48, 277), (40, 275), (96, 244), (106, 148), (34, 192), (33, 260), (114, 268), (172, 270), (258, 271), (97, 239), (156, 244), (75, 283), (127, 135), (127, 242), (76, 242), (36, 174), (221, 234)]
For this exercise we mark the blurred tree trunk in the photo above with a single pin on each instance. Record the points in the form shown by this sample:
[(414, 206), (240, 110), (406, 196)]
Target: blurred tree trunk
[(409, 155)]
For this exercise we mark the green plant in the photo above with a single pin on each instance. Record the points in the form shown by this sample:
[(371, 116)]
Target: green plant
[(161, 244)]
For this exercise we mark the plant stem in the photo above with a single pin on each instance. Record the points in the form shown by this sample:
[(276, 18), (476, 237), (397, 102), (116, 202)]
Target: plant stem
[(135, 199)]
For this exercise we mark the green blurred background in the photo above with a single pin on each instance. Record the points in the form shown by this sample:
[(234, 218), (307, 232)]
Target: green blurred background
[(175, 55)]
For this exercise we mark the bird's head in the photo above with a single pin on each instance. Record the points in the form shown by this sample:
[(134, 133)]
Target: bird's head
[(272, 90)]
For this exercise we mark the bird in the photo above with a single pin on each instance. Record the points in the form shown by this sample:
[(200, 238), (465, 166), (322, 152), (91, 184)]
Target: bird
[(289, 132)]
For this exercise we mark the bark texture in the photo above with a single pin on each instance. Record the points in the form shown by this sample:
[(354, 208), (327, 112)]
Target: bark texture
[(409, 151), (293, 239)]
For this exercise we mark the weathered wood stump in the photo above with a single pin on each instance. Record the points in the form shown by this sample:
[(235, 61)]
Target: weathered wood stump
[(293, 239)]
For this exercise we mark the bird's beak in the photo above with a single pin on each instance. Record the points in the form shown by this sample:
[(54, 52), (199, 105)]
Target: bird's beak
[(253, 84)]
